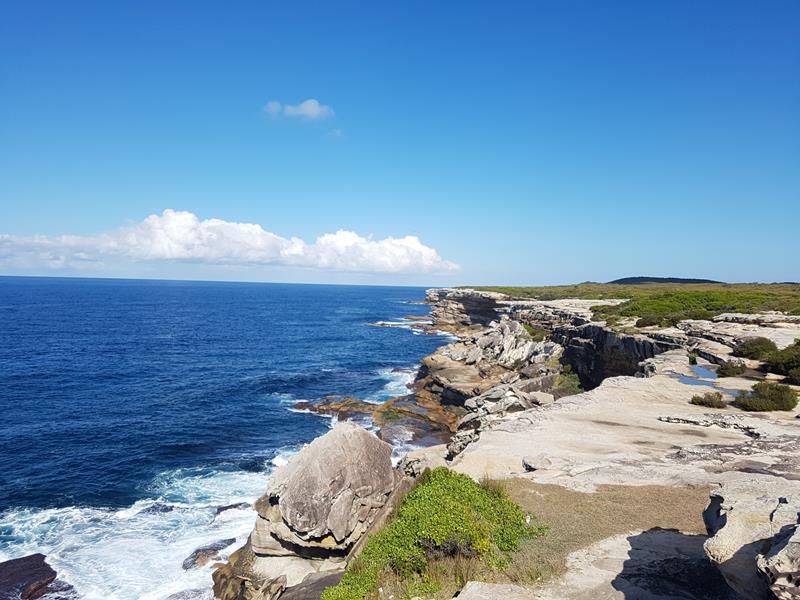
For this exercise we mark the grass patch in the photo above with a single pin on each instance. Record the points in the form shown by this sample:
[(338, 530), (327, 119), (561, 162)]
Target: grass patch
[(757, 348), (537, 334), (667, 303), (710, 399), (732, 368), (768, 396), (575, 520), (445, 517)]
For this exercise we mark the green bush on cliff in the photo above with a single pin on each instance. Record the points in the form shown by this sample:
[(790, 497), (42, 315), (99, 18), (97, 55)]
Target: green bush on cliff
[(767, 396), (793, 376), (785, 360), (567, 384), (445, 515), (757, 347)]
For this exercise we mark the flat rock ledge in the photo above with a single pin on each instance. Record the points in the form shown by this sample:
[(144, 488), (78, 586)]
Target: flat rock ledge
[(315, 511)]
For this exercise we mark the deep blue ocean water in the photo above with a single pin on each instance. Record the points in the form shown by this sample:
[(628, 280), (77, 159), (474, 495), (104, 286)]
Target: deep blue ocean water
[(130, 410)]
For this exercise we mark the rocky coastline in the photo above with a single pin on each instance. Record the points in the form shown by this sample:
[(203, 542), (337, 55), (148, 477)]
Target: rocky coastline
[(541, 394), (500, 386)]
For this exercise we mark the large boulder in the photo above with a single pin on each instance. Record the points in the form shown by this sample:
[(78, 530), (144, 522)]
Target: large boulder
[(752, 524), (27, 578), (326, 496), (315, 510)]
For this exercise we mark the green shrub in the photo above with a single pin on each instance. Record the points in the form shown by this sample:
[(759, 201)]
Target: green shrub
[(648, 321), (785, 360), (732, 368), (446, 514), (692, 358), (794, 376), (757, 347), (767, 395), (711, 399), (537, 334), (567, 384)]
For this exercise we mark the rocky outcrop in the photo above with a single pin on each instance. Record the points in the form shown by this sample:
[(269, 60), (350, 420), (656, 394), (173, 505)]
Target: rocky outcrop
[(503, 352), (731, 329), (781, 564), (455, 308), (315, 510), (30, 577), (205, 554), (595, 352), (752, 523)]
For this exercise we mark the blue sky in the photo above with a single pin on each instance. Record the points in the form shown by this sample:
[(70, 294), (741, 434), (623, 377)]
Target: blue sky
[(524, 142)]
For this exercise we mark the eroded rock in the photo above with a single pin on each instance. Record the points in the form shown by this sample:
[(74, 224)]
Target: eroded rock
[(26, 578), (205, 554), (315, 510), (749, 521)]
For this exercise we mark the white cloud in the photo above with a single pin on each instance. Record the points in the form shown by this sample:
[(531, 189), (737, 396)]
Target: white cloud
[(179, 236), (273, 107), (310, 109)]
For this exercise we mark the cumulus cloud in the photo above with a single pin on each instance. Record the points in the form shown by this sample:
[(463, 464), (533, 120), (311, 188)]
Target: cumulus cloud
[(310, 109), (175, 236)]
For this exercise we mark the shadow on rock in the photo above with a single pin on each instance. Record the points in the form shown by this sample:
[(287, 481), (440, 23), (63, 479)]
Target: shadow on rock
[(667, 564)]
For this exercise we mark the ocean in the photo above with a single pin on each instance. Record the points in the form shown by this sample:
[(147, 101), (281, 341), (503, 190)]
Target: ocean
[(132, 410)]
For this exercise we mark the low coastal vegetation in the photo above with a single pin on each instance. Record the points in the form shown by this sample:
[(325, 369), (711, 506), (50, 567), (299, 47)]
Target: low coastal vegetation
[(537, 334), (666, 304), (447, 526), (757, 348), (768, 396), (710, 399), (732, 368), (786, 361), (567, 384)]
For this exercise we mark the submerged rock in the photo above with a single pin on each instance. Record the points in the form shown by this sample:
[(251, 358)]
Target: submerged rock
[(205, 554)]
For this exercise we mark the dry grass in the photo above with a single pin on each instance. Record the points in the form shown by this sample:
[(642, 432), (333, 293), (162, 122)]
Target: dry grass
[(575, 520)]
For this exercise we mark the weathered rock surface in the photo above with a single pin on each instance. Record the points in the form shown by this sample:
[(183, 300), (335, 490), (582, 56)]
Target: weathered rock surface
[(29, 577), (781, 564), (315, 510), (326, 496), (633, 431), (454, 308), (312, 587), (477, 590), (205, 554), (731, 332), (658, 564), (751, 522)]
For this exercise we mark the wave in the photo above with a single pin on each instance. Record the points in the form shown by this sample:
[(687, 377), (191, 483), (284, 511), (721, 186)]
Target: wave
[(397, 384), (137, 552)]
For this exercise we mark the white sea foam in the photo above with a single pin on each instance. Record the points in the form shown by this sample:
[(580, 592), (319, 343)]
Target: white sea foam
[(397, 382), (137, 552)]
